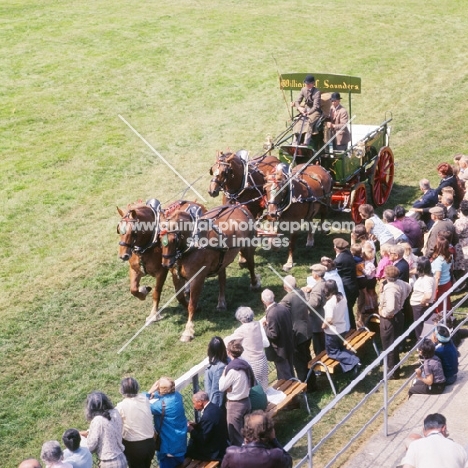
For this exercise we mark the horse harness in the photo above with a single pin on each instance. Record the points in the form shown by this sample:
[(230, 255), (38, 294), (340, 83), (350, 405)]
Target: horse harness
[(248, 181)]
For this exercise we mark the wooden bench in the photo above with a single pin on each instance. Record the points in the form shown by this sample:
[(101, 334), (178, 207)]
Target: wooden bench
[(291, 388), (190, 463), (354, 341)]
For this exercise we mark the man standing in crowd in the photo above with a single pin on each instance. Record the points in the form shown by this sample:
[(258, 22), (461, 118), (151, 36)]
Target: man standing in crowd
[(208, 437), (440, 224), (410, 227), (435, 449), (279, 330), (346, 267), (316, 300), (392, 298), (295, 302)]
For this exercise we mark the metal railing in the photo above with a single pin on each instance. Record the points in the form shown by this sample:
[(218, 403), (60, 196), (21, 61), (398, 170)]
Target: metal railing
[(307, 431)]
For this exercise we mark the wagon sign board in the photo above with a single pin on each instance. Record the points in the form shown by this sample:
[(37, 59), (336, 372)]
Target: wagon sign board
[(326, 82)]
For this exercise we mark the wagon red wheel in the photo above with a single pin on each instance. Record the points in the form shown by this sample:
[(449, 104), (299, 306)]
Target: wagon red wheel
[(382, 179), (358, 198)]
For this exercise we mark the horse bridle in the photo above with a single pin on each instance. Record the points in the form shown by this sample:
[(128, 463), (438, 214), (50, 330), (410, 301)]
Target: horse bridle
[(154, 240), (227, 173)]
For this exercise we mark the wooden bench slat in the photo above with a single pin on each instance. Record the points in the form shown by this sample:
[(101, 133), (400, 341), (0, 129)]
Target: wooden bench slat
[(291, 388), (190, 463)]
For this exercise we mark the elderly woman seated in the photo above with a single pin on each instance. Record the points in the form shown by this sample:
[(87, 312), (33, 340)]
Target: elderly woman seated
[(250, 333)]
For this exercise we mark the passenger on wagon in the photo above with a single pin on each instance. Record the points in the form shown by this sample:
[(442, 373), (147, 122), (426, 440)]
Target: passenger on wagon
[(339, 123)]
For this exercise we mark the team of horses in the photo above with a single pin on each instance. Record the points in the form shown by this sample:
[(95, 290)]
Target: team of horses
[(193, 243)]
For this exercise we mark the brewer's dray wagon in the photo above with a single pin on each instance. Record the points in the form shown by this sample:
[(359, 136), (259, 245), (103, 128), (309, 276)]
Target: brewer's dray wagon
[(367, 160)]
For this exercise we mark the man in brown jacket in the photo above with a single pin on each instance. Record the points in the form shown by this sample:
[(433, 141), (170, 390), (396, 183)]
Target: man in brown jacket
[(308, 103), (392, 299), (339, 123)]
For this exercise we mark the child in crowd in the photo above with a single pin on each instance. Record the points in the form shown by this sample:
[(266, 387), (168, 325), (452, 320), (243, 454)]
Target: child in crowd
[(369, 269), (383, 262), (412, 261), (356, 250)]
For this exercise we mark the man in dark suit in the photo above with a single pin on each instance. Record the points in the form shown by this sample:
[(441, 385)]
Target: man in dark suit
[(208, 437), (279, 330), (295, 302), (346, 267), (396, 256), (440, 224)]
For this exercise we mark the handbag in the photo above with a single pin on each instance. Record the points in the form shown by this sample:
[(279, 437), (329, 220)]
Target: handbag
[(258, 398), (157, 434)]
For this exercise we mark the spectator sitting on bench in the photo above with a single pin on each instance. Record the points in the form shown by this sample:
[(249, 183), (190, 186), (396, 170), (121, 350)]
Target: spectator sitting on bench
[(260, 448), (335, 329), (208, 437)]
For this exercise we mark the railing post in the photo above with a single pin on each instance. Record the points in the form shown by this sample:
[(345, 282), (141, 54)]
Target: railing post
[(309, 447), (385, 393), (196, 387)]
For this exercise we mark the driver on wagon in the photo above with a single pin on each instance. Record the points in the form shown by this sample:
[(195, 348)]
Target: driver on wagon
[(308, 103)]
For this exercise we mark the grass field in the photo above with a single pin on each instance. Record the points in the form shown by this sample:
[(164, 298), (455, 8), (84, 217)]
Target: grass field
[(193, 77)]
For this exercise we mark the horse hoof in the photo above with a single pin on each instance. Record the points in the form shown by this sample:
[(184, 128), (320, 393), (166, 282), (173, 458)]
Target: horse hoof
[(144, 290), (257, 285), (221, 307), (186, 338), (310, 243), (288, 266), (154, 318)]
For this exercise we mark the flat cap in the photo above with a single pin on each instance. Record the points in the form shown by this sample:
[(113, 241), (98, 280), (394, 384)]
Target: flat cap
[(340, 243), (437, 210), (289, 281), (318, 268), (391, 271)]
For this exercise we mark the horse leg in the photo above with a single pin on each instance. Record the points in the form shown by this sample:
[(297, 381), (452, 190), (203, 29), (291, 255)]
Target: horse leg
[(183, 293), (292, 243), (255, 280), (221, 307), (135, 289), (196, 287), (155, 314), (243, 262)]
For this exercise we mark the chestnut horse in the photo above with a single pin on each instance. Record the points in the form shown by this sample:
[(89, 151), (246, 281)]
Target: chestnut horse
[(241, 180), (296, 198), (139, 245), (213, 243)]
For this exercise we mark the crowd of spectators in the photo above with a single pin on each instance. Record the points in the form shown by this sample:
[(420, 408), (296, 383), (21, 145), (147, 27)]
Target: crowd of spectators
[(396, 267)]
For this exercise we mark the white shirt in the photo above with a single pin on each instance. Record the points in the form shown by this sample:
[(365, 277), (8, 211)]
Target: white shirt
[(435, 451), (335, 313), (136, 418), (251, 335), (238, 382), (423, 286), (80, 458)]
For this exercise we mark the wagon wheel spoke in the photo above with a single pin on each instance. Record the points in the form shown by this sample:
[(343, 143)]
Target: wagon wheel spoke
[(358, 198), (382, 179)]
